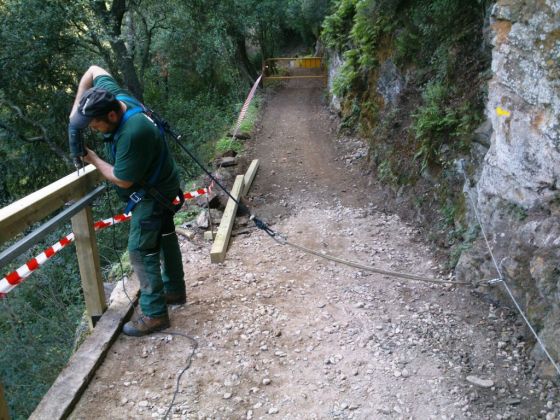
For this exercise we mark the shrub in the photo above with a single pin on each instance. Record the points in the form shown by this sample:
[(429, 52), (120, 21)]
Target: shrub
[(228, 144)]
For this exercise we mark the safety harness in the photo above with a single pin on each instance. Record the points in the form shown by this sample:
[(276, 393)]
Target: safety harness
[(149, 186)]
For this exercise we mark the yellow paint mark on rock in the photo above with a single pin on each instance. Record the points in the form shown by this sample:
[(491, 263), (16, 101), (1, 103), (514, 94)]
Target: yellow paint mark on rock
[(502, 112)]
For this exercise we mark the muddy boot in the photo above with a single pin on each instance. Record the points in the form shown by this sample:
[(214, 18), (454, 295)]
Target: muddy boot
[(145, 325)]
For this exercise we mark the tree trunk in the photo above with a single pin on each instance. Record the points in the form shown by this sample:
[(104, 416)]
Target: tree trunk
[(243, 62), (112, 18)]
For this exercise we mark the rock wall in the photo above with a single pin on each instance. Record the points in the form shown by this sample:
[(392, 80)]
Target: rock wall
[(514, 167), (516, 189), (335, 63)]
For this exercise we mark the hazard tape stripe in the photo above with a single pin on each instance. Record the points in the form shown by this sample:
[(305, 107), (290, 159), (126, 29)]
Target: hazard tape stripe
[(245, 106), (196, 193), (11, 280), (16, 277)]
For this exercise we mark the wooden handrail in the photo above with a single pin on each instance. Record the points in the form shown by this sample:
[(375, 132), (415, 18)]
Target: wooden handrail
[(23, 213), (18, 216)]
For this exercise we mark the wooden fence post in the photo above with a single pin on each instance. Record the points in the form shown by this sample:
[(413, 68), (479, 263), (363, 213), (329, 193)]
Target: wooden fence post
[(88, 260), (4, 413)]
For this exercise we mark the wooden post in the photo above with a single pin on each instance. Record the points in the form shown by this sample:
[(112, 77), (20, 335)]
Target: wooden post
[(88, 260), (4, 413)]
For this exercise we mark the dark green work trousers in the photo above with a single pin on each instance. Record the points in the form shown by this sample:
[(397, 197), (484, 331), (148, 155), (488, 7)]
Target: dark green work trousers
[(155, 256)]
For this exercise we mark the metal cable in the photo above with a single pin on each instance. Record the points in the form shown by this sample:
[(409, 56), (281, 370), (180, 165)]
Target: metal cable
[(368, 268), (263, 226), (501, 278), (187, 366)]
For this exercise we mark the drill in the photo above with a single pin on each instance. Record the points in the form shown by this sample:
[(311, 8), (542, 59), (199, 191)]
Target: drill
[(77, 150)]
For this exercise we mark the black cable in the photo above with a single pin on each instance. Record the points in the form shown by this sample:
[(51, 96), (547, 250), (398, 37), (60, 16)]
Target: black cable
[(177, 138), (114, 237), (258, 223), (189, 362)]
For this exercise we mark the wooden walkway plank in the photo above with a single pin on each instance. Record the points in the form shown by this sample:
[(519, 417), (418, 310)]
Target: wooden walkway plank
[(219, 247), (70, 384)]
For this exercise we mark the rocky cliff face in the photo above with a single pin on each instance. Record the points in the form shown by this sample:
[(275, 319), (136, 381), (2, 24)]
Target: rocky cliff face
[(514, 168), (516, 189)]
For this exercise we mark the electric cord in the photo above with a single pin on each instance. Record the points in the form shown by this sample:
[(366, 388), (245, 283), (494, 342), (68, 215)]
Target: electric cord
[(187, 366)]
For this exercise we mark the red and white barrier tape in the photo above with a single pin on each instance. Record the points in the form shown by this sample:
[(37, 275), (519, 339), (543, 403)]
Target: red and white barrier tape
[(11, 280), (245, 106), (16, 277), (196, 193)]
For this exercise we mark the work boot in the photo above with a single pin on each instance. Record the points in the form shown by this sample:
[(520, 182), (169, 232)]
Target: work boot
[(145, 325), (176, 298)]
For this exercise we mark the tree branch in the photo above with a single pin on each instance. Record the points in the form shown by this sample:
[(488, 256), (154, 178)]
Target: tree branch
[(33, 123)]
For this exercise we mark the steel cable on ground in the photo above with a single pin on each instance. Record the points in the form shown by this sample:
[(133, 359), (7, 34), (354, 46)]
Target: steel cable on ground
[(501, 278), (404, 276)]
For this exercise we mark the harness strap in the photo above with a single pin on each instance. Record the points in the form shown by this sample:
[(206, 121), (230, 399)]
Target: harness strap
[(149, 186), (129, 113)]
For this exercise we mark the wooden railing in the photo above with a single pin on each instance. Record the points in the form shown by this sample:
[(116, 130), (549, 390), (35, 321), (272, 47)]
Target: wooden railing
[(19, 216)]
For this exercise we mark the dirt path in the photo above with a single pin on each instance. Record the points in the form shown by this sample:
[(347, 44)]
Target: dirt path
[(285, 335)]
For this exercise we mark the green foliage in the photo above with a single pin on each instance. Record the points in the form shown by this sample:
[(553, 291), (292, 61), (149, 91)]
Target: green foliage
[(463, 242), (432, 122), (439, 121), (306, 17), (435, 51), (121, 268), (344, 80), (356, 29), (37, 325), (337, 26), (386, 174), (516, 212), (184, 216), (367, 31), (228, 144), (351, 118), (248, 123), (438, 34)]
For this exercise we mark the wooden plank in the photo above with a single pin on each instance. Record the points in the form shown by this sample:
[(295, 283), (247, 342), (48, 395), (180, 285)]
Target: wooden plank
[(88, 261), (4, 413), (23, 213), (219, 247), (250, 176), (72, 381)]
